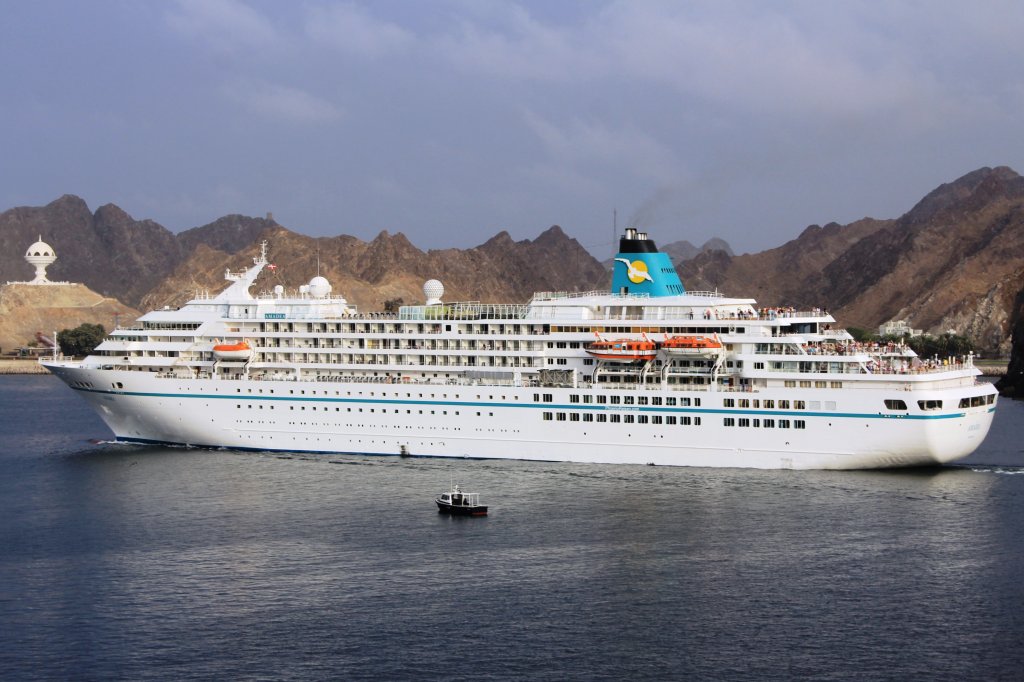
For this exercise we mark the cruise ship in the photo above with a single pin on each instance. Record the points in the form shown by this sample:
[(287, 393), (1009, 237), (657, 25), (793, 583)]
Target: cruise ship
[(646, 373)]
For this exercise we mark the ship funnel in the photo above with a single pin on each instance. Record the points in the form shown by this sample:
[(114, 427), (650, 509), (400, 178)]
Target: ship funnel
[(639, 268)]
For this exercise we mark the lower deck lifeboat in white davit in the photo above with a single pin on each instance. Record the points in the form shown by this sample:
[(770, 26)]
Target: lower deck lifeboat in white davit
[(623, 350), (232, 351)]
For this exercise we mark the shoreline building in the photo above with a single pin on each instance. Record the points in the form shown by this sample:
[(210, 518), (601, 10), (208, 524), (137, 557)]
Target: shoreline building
[(898, 328)]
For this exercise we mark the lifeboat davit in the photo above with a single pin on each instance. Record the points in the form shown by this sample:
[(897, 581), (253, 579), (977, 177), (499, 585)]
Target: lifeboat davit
[(623, 350), (691, 345), (232, 351)]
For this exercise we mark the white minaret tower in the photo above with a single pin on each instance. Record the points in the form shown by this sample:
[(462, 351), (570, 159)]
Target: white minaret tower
[(40, 255)]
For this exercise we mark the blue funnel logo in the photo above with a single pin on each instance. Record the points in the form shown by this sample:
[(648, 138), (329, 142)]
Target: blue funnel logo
[(639, 268)]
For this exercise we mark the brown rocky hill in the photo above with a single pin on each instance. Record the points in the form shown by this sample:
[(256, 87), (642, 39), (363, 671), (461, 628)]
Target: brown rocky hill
[(684, 250), (109, 251), (147, 266), (27, 309), (369, 273), (953, 262)]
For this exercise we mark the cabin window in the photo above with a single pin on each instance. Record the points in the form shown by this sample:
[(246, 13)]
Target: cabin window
[(616, 418), (671, 401), (783, 423), (728, 402), (799, 405), (729, 421), (895, 405), (799, 424), (769, 423), (744, 422), (615, 400), (602, 417), (548, 416), (783, 404)]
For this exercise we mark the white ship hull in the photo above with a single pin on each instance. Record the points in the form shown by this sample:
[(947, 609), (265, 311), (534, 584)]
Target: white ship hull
[(504, 422)]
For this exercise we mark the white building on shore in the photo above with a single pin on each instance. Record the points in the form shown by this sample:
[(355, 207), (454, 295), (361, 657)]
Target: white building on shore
[(898, 328)]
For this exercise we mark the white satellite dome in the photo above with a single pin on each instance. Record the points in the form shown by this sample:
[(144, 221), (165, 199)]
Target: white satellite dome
[(319, 287), (433, 290)]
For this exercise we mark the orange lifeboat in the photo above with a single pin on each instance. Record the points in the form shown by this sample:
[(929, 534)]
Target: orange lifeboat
[(623, 350), (232, 351), (691, 345)]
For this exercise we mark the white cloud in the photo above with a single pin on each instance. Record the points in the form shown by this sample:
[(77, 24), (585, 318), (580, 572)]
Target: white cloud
[(586, 144), (520, 47), (224, 24), (350, 28), (282, 102), (833, 60)]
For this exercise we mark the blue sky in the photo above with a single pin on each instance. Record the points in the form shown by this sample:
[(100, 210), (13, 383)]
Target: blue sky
[(452, 120)]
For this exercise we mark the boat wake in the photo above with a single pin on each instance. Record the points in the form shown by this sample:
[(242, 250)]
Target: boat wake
[(1007, 470)]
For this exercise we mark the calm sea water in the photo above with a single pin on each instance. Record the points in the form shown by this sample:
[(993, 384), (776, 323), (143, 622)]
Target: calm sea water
[(129, 562)]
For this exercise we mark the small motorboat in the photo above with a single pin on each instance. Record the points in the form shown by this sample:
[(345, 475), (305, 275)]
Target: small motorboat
[(458, 503), (232, 351), (623, 350), (691, 345)]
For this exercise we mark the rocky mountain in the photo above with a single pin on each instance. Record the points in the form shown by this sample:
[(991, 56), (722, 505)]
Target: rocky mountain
[(390, 267), (684, 250), (147, 266), (955, 261), (109, 251)]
